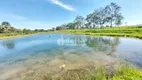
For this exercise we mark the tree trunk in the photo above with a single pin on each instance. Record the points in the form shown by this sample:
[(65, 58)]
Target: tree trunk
[(111, 24)]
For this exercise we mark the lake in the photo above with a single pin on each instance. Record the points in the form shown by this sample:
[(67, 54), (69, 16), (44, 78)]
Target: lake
[(45, 53)]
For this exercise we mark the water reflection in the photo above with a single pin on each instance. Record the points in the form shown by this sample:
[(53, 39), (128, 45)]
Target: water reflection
[(107, 45), (98, 44), (78, 40), (9, 44)]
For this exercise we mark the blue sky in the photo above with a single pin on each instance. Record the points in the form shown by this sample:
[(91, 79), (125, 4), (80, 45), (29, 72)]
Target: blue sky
[(46, 14)]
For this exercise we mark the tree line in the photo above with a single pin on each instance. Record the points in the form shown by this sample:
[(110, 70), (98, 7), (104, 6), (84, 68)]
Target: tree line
[(107, 16), (5, 27)]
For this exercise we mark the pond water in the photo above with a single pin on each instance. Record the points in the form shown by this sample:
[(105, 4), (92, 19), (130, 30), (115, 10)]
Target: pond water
[(46, 52)]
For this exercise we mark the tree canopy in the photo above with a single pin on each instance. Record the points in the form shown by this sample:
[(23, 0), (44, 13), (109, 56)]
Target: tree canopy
[(109, 16)]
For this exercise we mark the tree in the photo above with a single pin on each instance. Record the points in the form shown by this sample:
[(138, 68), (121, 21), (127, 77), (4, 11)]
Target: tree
[(1, 29), (104, 16), (63, 26), (58, 28), (71, 25), (27, 31), (79, 22), (36, 30), (90, 20), (6, 25), (119, 20), (12, 29), (113, 13), (96, 18), (87, 25), (100, 17)]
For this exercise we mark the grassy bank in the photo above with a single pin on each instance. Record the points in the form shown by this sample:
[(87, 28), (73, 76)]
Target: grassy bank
[(15, 35), (135, 32), (12, 35)]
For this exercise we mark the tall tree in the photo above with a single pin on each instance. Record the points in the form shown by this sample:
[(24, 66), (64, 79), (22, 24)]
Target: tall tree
[(6, 25), (71, 25), (119, 19), (109, 15), (113, 13), (1, 29), (97, 18), (100, 17), (90, 20), (79, 21)]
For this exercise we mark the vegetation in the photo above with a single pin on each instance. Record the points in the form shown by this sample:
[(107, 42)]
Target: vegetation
[(132, 31), (104, 21), (89, 73), (107, 16), (124, 73), (7, 31)]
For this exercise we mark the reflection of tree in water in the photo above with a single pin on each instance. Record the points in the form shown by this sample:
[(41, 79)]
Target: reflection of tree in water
[(9, 44), (78, 40), (99, 44), (107, 45)]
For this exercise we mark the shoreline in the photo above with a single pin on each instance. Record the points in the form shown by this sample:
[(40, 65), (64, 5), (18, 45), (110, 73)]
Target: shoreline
[(137, 36), (10, 37), (91, 34), (16, 36), (21, 35)]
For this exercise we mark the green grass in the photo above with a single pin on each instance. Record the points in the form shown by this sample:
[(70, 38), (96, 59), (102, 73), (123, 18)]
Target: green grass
[(116, 32), (11, 35), (124, 73), (127, 73), (15, 35)]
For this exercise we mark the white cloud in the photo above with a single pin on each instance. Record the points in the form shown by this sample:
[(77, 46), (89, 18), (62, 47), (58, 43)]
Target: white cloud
[(65, 6)]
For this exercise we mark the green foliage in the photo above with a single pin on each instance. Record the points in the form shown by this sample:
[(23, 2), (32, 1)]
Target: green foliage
[(5, 24), (127, 73), (124, 73), (103, 17), (1, 29), (27, 31), (6, 30), (79, 22)]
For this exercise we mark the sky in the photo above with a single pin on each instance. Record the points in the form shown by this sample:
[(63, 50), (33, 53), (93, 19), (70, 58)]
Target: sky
[(46, 14)]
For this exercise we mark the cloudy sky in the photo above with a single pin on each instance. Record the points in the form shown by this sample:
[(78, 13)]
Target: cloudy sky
[(46, 14)]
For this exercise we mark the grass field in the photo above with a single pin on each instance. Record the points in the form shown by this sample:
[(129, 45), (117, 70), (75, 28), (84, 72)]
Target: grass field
[(116, 32)]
